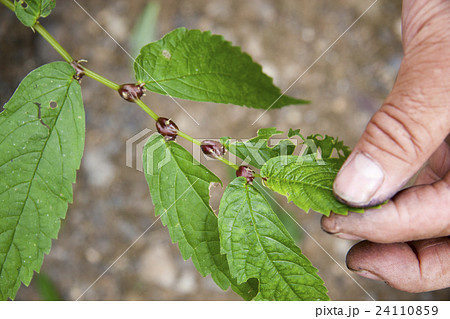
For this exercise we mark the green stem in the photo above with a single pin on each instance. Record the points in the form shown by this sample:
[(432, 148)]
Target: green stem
[(7, 4), (147, 109), (51, 40), (189, 138), (66, 56), (225, 161), (101, 79)]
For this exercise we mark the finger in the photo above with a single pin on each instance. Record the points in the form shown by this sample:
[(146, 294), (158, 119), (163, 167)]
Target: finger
[(415, 267), (415, 117), (440, 160), (416, 213), (426, 176), (438, 166)]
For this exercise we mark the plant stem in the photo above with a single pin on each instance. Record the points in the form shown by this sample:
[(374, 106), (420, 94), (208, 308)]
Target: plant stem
[(147, 109), (225, 161), (51, 40), (195, 141), (189, 138), (97, 77), (66, 56), (7, 4), (42, 31)]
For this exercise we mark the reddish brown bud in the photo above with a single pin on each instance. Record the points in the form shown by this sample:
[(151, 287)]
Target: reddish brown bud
[(246, 172), (131, 92), (167, 128), (212, 148), (79, 72)]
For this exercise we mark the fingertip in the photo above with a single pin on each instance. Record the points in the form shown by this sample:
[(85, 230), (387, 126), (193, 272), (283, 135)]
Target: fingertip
[(413, 267), (357, 256), (367, 274), (327, 223), (392, 263), (419, 212), (335, 225), (358, 180)]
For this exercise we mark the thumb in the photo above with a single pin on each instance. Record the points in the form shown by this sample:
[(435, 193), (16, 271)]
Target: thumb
[(415, 117)]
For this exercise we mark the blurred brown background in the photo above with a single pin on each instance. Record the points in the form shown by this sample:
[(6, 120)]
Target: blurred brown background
[(112, 206)]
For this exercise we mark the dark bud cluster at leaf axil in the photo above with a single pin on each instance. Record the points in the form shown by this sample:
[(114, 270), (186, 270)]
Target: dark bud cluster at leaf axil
[(78, 69), (167, 128), (246, 172), (212, 149), (131, 92)]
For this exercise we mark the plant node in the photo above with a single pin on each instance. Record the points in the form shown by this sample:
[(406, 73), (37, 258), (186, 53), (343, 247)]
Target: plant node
[(167, 128), (212, 149), (78, 69), (131, 92), (246, 172)]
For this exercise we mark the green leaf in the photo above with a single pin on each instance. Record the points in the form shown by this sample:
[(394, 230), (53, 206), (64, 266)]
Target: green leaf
[(179, 187), (259, 246), (285, 217), (327, 145), (296, 132), (29, 11), (46, 288), (307, 181), (41, 144), (199, 66), (256, 150)]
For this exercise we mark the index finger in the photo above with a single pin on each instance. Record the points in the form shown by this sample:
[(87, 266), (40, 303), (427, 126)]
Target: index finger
[(419, 212)]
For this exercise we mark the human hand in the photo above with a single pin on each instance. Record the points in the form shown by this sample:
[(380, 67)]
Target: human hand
[(408, 238)]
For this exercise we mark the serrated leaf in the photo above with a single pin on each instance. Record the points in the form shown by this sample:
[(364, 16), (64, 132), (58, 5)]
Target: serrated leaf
[(256, 150), (285, 217), (179, 187), (259, 246), (41, 144), (307, 181), (327, 145), (199, 66), (296, 132), (29, 11)]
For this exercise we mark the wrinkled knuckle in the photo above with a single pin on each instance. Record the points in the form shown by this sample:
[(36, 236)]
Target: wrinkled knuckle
[(393, 131), (442, 193), (412, 129), (426, 41), (433, 276), (427, 23), (405, 226), (422, 83)]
